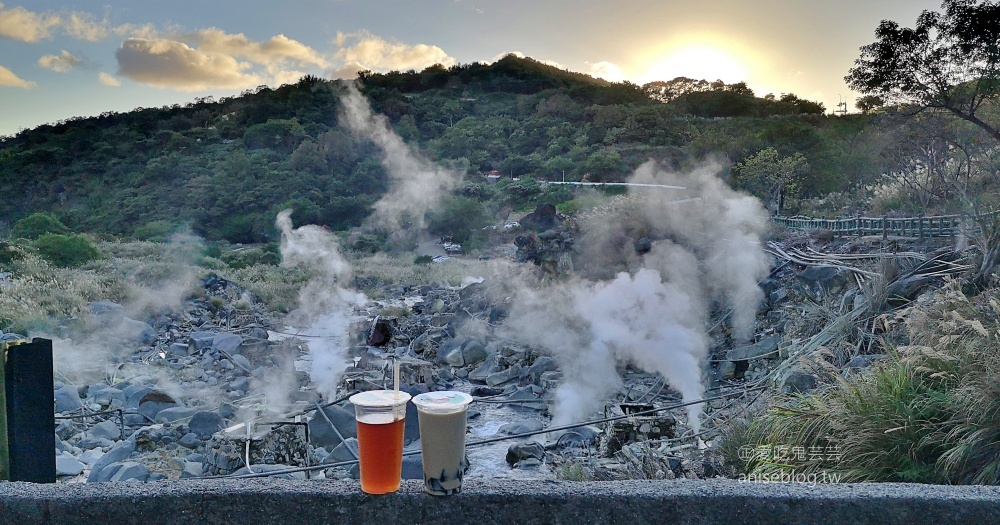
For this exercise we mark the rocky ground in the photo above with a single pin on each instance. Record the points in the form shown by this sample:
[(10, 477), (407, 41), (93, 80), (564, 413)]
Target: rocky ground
[(219, 386)]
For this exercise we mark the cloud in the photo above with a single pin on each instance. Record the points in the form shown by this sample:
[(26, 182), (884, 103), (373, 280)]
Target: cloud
[(108, 80), (85, 26), (607, 70), (272, 53), (60, 63), (19, 24), (9, 79), (170, 64), (375, 53), (347, 71), (212, 58)]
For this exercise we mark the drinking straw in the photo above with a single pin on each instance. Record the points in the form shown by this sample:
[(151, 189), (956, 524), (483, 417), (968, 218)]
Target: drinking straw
[(395, 376)]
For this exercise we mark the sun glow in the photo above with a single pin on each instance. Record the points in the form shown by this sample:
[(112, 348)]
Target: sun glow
[(699, 62)]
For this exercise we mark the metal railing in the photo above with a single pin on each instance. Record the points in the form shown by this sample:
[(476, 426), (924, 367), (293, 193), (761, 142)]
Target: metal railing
[(921, 227)]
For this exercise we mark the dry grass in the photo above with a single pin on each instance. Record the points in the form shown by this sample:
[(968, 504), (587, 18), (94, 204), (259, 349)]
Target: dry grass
[(930, 414)]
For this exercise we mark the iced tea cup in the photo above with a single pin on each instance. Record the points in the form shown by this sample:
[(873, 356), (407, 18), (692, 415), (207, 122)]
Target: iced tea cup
[(380, 415), (442, 417)]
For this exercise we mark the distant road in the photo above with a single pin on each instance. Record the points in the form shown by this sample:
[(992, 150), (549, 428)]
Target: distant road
[(619, 184)]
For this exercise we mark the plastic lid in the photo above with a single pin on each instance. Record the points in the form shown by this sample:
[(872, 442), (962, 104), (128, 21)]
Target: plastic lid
[(380, 398), (444, 401)]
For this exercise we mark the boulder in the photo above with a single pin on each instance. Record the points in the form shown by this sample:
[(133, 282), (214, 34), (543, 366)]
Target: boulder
[(322, 435), (117, 453), (109, 398), (137, 331), (228, 343), (766, 347), (105, 430), (346, 451), (128, 470), (67, 400), (522, 427), (153, 402), (543, 218), (521, 451), (174, 414), (205, 424), (67, 465)]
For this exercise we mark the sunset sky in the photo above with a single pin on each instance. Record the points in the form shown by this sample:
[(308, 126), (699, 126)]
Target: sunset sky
[(65, 59)]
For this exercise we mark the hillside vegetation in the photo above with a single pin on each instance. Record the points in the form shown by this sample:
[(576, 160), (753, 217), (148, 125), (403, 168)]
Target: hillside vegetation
[(225, 167)]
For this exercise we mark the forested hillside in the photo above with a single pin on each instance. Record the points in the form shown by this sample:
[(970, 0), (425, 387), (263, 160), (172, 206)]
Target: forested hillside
[(225, 167)]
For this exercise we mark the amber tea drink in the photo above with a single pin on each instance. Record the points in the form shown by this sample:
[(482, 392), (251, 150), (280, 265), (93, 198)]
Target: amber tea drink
[(380, 415), (442, 417)]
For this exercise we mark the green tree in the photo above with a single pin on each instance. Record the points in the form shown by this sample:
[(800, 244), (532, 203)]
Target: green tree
[(770, 176), (869, 103), (36, 224), (66, 250), (949, 60)]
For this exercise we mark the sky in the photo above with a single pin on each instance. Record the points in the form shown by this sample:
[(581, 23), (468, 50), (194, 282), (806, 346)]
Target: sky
[(65, 59)]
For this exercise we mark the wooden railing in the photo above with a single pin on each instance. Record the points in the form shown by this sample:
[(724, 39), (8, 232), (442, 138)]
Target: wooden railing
[(935, 226)]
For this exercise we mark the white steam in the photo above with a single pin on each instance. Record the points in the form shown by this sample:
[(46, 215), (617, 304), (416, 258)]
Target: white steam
[(325, 304), (416, 184), (705, 245)]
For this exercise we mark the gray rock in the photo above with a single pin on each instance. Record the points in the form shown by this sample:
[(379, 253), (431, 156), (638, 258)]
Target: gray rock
[(798, 381), (134, 394), (174, 414), (530, 425), (412, 468), (130, 470), (240, 383), (205, 424), (521, 451), (766, 347), (455, 357), (489, 367), (320, 433), (726, 370), (540, 366), (229, 343), (528, 395), (242, 362), (824, 276), (137, 331), (67, 400), (90, 443), (864, 361), (345, 451), (108, 312), (153, 402), (106, 430), (67, 465), (191, 470), (510, 374), (189, 440), (474, 352), (119, 452), (109, 398), (202, 340), (91, 457)]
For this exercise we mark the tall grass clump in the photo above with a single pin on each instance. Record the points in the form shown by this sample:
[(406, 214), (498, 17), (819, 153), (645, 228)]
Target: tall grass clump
[(929, 414)]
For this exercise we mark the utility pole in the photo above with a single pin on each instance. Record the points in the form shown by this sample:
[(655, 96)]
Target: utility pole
[(841, 106)]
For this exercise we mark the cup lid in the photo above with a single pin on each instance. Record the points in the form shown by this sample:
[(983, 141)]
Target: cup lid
[(442, 401), (380, 398)]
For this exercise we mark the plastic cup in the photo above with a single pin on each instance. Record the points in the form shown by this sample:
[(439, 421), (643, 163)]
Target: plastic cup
[(442, 417), (380, 415)]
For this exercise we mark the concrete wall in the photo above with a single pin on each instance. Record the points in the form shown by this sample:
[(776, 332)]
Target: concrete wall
[(273, 501)]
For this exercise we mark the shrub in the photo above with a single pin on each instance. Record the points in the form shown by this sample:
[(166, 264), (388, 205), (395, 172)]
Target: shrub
[(267, 254), (37, 224), (66, 250), (155, 231)]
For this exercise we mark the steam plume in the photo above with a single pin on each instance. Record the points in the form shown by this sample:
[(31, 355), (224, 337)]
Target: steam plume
[(417, 184), (325, 304), (705, 245)]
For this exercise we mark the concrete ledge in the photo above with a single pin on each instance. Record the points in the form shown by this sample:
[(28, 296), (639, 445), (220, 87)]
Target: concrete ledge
[(274, 501)]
